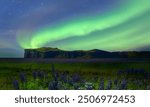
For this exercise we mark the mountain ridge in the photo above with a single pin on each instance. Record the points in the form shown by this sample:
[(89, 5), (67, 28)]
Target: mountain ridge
[(49, 52)]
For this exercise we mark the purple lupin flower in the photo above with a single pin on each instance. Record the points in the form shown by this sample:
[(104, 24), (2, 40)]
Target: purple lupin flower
[(23, 77), (101, 86), (76, 78), (123, 85), (64, 77), (34, 74), (53, 85), (109, 85), (16, 84)]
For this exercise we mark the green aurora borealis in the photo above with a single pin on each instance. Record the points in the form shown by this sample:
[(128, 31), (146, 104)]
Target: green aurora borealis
[(125, 27)]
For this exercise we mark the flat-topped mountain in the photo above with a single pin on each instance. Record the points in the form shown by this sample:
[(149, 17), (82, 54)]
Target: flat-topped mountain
[(48, 52)]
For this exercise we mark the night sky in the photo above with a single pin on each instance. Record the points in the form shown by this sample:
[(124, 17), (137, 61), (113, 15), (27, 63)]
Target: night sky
[(111, 25)]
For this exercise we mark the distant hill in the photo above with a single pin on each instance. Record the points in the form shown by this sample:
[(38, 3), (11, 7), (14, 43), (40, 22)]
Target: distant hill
[(48, 52)]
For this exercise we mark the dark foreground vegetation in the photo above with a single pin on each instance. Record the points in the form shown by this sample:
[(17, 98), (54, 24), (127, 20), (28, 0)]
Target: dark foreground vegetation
[(15, 75)]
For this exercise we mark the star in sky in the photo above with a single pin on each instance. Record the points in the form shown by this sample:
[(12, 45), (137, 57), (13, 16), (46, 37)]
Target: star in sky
[(111, 25)]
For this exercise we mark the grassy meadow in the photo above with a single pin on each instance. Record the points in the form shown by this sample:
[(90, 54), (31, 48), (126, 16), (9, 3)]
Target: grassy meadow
[(17, 75)]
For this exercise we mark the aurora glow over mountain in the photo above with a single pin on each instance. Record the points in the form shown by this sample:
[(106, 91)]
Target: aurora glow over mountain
[(112, 25)]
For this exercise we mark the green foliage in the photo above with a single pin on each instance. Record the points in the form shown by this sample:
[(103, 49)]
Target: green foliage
[(89, 72)]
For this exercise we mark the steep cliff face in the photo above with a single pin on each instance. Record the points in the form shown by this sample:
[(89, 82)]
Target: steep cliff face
[(57, 53), (31, 53)]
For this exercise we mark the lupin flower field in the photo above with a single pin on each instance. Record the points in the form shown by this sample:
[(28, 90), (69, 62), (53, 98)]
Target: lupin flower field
[(74, 75)]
